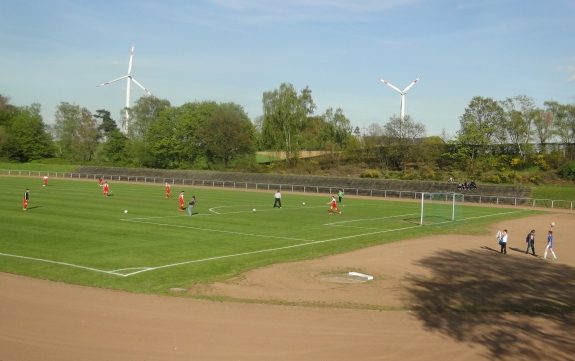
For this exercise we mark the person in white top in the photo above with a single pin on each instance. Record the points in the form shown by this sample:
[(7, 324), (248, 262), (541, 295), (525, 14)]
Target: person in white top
[(278, 199), (503, 241)]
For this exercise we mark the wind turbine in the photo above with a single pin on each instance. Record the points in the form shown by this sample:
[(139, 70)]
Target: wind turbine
[(128, 77), (402, 102)]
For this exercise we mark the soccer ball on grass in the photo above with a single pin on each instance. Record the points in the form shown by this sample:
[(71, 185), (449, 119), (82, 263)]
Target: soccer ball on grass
[(254, 209), (126, 211)]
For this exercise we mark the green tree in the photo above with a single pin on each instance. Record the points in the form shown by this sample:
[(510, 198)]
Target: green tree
[(340, 126), (285, 113), (173, 139), (107, 124), (227, 136), (543, 123), (143, 114), (29, 139), (86, 138), (519, 116), (67, 119), (479, 125), (114, 148), (402, 135)]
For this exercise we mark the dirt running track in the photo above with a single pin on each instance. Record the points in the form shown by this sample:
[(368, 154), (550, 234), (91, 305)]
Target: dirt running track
[(42, 320)]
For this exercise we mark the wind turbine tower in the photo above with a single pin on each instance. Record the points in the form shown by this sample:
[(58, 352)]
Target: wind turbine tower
[(402, 101), (129, 78)]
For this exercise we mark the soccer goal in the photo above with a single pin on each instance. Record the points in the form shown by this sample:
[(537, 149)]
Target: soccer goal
[(441, 208)]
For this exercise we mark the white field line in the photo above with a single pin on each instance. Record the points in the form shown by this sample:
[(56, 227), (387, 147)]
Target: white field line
[(62, 264), (219, 231), (213, 209), (368, 219), (265, 250), (146, 269)]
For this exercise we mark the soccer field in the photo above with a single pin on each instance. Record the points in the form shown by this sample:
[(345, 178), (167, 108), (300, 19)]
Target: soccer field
[(72, 233)]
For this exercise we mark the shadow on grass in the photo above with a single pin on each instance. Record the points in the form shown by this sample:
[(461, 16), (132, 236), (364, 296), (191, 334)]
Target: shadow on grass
[(503, 302)]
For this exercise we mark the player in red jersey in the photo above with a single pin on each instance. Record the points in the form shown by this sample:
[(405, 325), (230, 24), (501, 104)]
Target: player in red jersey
[(26, 199), (106, 188), (168, 194), (45, 181), (333, 205), (100, 181), (181, 202)]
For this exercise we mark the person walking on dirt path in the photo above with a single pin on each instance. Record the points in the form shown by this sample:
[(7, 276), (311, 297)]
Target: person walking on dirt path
[(503, 241), (530, 242)]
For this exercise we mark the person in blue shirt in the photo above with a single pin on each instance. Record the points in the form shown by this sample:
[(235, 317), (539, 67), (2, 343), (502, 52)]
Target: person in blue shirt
[(549, 246)]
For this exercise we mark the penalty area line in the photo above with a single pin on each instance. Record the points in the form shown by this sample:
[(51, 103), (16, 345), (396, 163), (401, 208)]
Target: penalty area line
[(62, 264), (218, 230), (266, 250)]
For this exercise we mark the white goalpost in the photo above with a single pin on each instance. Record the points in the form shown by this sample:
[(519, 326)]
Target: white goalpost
[(440, 208)]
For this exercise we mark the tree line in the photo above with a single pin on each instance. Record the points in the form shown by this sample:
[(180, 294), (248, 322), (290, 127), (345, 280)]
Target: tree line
[(209, 135)]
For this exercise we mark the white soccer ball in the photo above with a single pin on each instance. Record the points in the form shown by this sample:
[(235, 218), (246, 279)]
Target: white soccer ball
[(126, 211), (304, 203), (254, 209), (552, 224)]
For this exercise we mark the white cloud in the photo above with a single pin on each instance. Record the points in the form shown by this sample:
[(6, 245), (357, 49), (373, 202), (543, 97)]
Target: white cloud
[(569, 69)]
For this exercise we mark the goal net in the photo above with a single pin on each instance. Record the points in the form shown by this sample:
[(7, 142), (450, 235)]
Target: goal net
[(441, 208)]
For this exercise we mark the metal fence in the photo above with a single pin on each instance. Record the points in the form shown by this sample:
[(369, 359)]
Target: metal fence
[(385, 193)]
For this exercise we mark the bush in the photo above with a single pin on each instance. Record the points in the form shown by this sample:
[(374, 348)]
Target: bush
[(370, 174), (567, 171), (493, 179)]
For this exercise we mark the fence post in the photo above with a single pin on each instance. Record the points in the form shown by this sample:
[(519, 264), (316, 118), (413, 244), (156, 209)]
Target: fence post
[(552, 204)]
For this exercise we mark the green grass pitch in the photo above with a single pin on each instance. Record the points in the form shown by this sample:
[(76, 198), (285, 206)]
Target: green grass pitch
[(72, 233)]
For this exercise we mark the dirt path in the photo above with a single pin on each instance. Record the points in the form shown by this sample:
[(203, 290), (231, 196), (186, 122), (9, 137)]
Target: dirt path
[(42, 320)]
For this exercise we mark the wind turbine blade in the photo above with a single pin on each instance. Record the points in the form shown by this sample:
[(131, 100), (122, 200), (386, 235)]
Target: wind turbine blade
[(131, 56), (111, 81), (393, 87), (128, 92), (140, 85), (410, 85)]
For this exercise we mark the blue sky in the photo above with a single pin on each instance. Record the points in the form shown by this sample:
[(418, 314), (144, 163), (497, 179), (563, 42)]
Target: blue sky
[(234, 50)]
